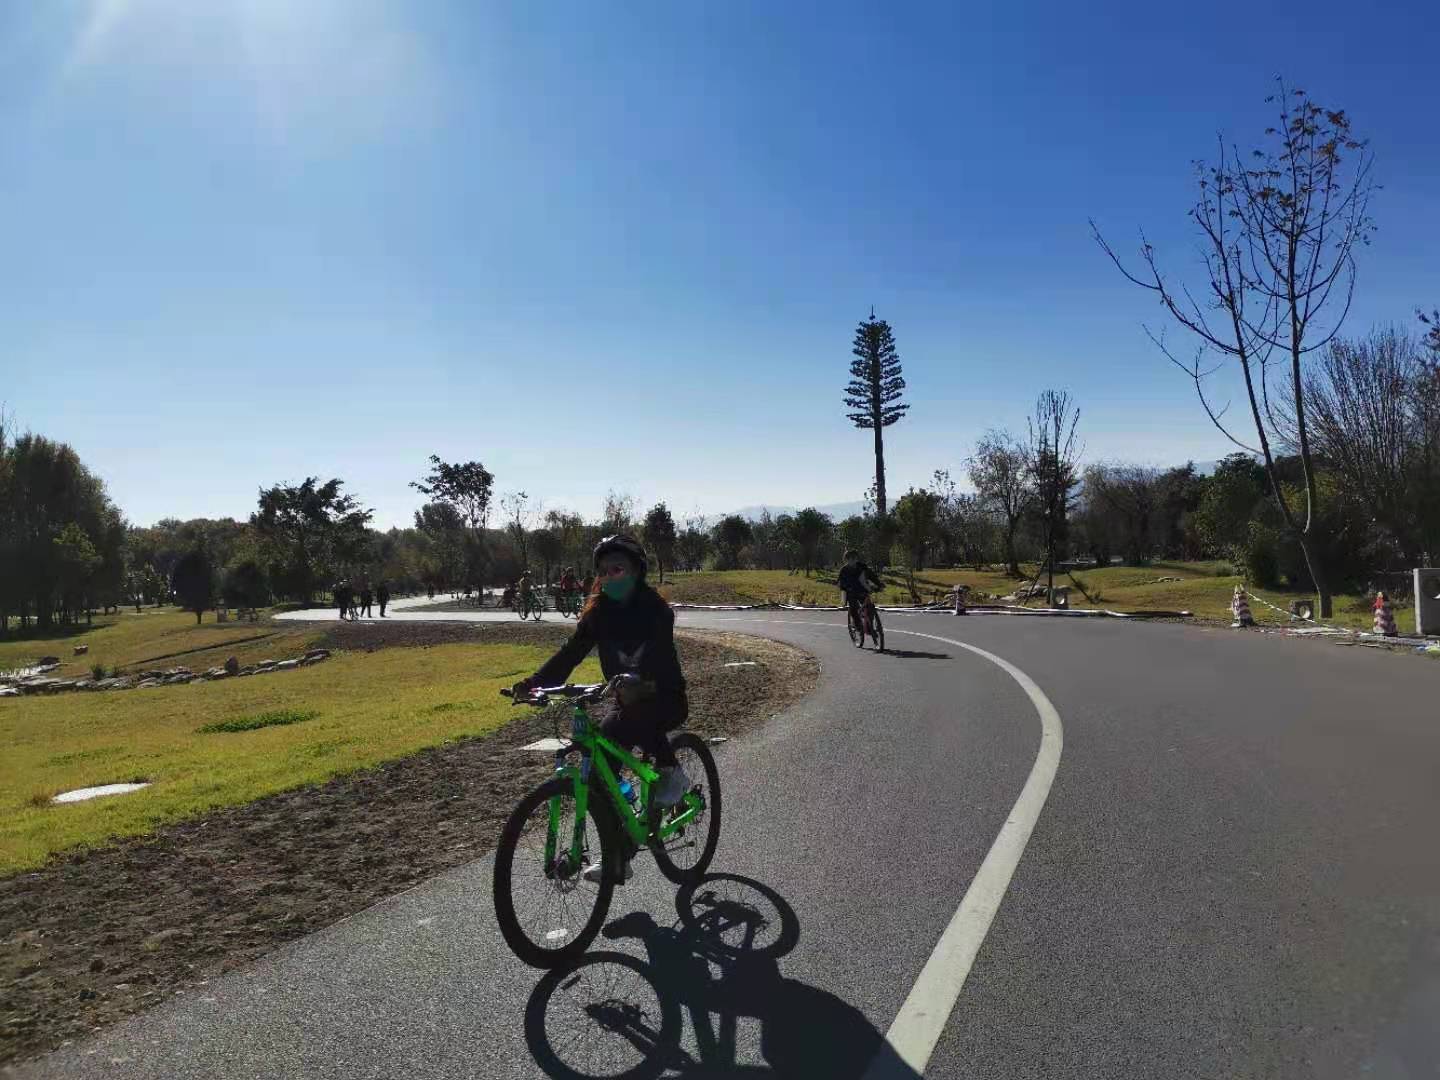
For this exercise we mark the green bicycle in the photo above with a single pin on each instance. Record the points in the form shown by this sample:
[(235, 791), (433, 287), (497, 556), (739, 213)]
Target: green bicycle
[(567, 603), (531, 606), (549, 899)]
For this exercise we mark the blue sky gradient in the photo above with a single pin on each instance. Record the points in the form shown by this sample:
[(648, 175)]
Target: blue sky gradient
[(625, 246)]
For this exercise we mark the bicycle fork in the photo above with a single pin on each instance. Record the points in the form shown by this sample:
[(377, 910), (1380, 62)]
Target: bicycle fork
[(570, 861)]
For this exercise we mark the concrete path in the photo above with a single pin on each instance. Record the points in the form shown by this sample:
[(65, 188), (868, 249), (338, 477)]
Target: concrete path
[(1234, 874)]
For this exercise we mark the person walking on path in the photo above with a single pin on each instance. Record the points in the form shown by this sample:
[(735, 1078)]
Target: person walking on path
[(366, 596), (342, 598), (382, 594)]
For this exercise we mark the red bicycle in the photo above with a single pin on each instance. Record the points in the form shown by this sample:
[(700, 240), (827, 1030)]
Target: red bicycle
[(867, 624)]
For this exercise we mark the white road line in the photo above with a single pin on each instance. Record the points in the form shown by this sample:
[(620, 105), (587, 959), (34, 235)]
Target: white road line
[(922, 1018)]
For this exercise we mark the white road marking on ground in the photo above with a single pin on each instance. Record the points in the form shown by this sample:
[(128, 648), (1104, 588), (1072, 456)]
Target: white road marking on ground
[(922, 1018)]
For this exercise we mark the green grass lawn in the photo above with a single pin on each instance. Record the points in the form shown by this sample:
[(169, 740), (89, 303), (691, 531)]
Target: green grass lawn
[(1203, 588), (782, 587), (298, 727), (158, 637)]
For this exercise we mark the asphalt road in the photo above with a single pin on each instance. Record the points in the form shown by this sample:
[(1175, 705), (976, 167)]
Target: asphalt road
[(1235, 875)]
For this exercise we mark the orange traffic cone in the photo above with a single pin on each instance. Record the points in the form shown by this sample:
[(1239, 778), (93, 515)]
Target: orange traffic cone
[(1384, 617), (1240, 608)]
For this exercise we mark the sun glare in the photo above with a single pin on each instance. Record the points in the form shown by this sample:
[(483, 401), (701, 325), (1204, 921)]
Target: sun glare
[(325, 67)]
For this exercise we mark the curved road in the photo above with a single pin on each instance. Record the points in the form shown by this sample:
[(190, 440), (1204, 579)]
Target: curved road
[(1234, 874)]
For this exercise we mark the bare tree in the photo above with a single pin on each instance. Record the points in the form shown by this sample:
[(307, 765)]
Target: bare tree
[(1278, 231), (692, 542), (1373, 418), (998, 471), (1052, 456), (518, 517), (1131, 497), (570, 528), (619, 515)]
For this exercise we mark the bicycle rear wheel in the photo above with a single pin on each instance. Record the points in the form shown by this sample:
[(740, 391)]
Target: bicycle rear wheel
[(548, 912), (685, 856)]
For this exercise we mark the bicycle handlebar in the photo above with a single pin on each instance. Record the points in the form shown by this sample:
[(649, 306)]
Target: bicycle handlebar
[(584, 691)]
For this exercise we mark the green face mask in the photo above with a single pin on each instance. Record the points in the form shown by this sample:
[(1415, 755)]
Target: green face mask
[(619, 588)]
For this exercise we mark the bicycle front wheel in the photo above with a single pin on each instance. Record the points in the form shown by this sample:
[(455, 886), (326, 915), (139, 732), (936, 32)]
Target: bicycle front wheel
[(877, 631), (548, 911), (684, 856)]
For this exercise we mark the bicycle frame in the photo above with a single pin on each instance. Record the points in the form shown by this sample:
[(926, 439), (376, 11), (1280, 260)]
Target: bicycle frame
[(596, 755), (866, 611)]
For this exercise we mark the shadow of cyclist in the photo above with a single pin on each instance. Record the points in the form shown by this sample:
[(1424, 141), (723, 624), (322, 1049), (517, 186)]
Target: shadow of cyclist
[(614, 1015)]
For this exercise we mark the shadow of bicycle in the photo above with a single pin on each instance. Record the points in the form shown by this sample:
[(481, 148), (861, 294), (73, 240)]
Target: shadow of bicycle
[(913, 654), (615, 1015)]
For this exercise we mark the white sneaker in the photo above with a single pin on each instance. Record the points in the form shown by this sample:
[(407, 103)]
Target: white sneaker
[(672, 787), (592, 873)]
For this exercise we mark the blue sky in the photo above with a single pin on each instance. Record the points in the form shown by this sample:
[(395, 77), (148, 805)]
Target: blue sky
[(625, 245)]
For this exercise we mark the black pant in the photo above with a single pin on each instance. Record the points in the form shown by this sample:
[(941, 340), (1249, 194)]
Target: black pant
[(645, 724)]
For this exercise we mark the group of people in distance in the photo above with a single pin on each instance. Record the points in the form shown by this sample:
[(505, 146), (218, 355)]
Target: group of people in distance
[(357, 603), (568, 585)]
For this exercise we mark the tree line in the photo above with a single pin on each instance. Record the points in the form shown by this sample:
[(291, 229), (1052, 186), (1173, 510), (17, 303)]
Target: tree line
[(66, 550)]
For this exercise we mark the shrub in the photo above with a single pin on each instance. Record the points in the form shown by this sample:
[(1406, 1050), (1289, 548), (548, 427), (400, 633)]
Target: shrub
[(1260, 556)]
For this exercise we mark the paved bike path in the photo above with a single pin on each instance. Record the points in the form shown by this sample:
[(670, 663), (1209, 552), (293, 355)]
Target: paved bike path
[(820, 814), (1234, 875)]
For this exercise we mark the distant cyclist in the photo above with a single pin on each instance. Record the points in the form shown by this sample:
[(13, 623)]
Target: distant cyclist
[(569, 583), (855, 580)]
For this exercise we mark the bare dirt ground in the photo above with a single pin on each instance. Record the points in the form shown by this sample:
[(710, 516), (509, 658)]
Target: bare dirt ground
[(102, 934)]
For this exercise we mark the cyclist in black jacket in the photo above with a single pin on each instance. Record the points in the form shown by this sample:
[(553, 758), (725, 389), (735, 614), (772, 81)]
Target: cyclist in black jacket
[(633, 628), (854, 580)]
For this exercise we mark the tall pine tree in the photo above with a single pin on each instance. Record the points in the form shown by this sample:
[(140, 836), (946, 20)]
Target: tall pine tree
[(874, 390)]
